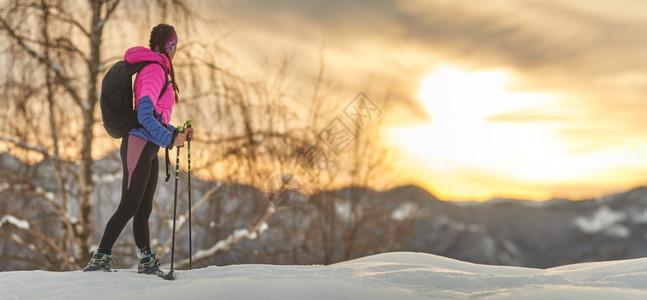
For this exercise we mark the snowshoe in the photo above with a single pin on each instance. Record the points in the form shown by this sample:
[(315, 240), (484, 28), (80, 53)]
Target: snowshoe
[(100, 262), (149, 263)]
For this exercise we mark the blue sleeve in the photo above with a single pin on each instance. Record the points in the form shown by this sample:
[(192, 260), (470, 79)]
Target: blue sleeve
[(171, 128), (146, 115)]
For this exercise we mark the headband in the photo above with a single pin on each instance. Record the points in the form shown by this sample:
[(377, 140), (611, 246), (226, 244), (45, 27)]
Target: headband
[(170, 43)]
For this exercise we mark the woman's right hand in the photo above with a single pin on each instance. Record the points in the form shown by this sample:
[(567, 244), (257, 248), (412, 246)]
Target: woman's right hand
[(179, 139)]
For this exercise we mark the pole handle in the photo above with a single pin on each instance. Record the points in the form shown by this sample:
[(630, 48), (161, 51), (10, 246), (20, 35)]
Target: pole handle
[(188, 125)]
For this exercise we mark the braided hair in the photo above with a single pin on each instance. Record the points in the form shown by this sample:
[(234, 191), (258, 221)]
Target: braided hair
[(159, 37)]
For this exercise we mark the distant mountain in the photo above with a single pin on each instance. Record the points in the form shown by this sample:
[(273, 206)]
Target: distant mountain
[(352, 222), (540, 235)]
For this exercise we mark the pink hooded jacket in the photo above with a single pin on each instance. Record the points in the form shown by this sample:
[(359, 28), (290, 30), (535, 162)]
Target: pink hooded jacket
[(153, 111)]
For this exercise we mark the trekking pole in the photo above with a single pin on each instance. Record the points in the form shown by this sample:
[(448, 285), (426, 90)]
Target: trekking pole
[(169, 275), (188, 125)]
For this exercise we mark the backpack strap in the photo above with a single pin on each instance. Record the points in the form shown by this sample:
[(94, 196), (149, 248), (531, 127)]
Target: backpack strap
[(159, 118), (168, 162), (163, 89), (165, 78)]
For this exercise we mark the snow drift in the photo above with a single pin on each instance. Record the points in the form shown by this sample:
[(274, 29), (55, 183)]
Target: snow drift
[(401, 275)]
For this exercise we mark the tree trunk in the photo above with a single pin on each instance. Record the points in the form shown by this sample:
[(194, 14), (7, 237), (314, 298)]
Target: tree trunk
[(84, 231)]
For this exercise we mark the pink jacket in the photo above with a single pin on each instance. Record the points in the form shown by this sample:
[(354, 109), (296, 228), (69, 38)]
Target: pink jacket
[(153, 110)]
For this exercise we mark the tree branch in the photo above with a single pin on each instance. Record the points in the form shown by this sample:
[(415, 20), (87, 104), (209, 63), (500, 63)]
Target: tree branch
[(65, 43), (70, 20), (48, 241), (24, 145), (202, 200), (234, 238), (49, 198), (55, 68), (110, 10)]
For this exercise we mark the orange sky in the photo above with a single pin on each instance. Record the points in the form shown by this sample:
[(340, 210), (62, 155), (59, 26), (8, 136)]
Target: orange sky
[(528, 99)]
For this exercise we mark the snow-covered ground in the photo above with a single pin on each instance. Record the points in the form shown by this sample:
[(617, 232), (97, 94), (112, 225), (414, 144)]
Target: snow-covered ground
[(401, 275)]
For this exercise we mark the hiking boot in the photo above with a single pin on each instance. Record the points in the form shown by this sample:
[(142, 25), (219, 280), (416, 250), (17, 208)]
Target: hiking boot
[(100, 262), (148, 262), (150, 265)]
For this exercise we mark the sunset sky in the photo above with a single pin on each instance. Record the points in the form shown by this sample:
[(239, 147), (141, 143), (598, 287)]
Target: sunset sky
[(527, 99)]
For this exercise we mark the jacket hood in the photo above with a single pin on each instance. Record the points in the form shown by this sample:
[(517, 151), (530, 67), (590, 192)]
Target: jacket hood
[(139, 54)]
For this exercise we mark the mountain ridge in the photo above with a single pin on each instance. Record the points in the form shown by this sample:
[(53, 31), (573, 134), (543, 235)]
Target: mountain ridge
[(338, 225)]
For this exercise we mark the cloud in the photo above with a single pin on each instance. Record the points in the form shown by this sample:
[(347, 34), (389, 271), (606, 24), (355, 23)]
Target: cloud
[(590, 53), (556, 43)]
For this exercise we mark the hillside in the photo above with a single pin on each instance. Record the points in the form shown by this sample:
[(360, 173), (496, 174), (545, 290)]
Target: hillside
[(341, 225), (402, 275)]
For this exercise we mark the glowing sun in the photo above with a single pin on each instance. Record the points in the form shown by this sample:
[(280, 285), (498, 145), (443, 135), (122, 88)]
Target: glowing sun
[(461, 136)]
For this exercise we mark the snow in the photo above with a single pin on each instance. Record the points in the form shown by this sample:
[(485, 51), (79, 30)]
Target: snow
[(49, 195), (230, 240), (263, 228), (180, 221), (23, 224), (604, 220), (240, 233), (639, 217), (618, 230), (404, 211), (399, 275)]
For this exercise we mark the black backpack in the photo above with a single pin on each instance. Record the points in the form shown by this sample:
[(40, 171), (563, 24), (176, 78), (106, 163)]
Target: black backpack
[(116, 99)]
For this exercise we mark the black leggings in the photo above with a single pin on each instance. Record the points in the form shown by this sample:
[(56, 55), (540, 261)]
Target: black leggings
[(140, 167)]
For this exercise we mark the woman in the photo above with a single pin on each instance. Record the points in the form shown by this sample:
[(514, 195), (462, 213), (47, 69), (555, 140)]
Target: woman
[(140, 147)]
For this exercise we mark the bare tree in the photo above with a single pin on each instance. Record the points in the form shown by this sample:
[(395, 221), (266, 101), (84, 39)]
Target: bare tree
[(47, 41), (250, 130)]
